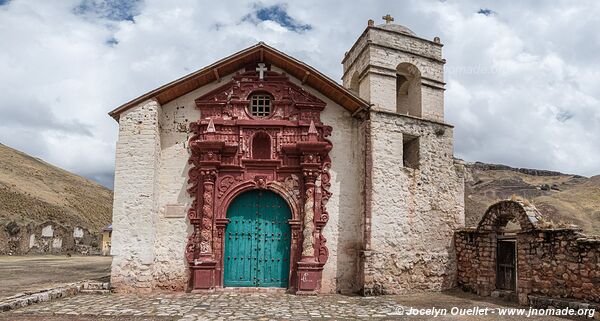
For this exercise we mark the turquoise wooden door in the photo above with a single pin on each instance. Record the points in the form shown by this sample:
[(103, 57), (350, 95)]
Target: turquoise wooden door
[(257, 241)]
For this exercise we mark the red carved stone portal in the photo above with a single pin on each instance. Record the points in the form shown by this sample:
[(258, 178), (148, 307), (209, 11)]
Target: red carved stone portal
[(232, 152)]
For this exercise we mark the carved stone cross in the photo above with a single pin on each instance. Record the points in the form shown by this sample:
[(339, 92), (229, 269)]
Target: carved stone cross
[(261, 70), (388, 18)]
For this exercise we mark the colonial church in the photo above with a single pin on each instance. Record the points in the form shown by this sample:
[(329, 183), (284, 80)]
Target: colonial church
[(260, 171)]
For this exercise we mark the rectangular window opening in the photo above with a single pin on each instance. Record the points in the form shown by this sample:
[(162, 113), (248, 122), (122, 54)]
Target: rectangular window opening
[(410, 151)]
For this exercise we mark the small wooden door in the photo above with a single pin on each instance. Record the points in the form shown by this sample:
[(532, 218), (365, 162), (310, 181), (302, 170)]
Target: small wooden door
[(506, 265), (257, 241)]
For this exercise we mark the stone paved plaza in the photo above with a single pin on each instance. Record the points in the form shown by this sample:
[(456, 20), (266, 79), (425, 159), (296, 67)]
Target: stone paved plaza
[(250, 306)]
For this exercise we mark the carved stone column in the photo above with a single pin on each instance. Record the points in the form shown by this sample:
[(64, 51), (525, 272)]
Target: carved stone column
[(204, 265), (206, 230), (206, 157), (309, 268), (308, 243)]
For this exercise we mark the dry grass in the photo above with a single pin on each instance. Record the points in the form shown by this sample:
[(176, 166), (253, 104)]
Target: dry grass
[(577, 202), (32, 191)]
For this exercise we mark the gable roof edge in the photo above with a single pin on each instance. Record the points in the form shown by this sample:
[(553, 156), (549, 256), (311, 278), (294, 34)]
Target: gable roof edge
[(337, 92)]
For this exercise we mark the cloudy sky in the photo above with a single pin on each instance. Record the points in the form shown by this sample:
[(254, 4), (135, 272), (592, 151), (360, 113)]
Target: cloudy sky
[(523, 78)]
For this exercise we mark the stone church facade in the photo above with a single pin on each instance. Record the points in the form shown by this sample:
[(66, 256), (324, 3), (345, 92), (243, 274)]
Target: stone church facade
[(260, 171)]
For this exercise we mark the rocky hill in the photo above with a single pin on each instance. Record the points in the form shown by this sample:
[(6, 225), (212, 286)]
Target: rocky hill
[(561, 197), (35, 195)]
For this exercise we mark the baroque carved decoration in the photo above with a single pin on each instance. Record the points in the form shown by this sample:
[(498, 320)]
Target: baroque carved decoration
[(292, 184), (222, 165), (226, 182), (190, 248)]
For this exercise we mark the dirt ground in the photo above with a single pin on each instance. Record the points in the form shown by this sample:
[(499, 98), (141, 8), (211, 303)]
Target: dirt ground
[(30, 273)]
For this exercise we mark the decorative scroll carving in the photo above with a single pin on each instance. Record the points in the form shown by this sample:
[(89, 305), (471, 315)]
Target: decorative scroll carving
[(323, 250), (325, 193), (225, 183), (190, 248), (292, 184), (192, 214)]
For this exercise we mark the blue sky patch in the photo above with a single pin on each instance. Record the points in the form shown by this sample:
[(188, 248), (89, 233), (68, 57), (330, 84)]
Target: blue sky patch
[(109, 9), (486, 11), (564, 115), (277, 13), (112, 41), (3, 2)]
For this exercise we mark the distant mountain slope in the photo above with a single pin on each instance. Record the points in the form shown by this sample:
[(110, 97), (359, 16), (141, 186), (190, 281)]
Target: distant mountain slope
[(33, 192), (560, 197)]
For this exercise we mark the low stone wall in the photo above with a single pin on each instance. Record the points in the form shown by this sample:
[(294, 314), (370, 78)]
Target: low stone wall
[(554, 263), (48, 237), (562, 263), (476, 257)]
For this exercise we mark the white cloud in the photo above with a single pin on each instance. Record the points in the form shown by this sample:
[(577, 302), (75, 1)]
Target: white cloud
[(523, 81)]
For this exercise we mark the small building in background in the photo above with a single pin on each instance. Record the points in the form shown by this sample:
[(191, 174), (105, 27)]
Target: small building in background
[(106, 235)]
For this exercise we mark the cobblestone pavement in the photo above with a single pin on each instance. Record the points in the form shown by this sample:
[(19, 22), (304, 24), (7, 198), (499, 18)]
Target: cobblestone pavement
[(251, 306)]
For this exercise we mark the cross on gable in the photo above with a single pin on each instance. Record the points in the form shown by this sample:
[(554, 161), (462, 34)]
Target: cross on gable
[(388, 18), (261, 70)]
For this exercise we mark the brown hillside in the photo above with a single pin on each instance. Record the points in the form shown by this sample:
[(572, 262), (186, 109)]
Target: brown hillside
[(560, 197), (33, 191)]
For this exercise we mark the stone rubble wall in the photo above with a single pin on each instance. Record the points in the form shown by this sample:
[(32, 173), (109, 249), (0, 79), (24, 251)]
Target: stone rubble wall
[(48, 237), (554, 263), (476, 256), (414, 211)]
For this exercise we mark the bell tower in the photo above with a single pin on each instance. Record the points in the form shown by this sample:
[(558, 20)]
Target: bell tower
[(397, 71), (414, 189)]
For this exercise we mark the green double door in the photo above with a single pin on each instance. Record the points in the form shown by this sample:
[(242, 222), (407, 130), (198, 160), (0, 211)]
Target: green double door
[(257, 241)]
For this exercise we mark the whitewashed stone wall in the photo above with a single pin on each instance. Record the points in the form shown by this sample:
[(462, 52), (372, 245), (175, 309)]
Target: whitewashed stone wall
[(345, 207), (375, 57), (414, 211), (134, 207)]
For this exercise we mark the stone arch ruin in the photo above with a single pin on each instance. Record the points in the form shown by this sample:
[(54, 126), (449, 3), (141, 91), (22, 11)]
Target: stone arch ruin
[(551, 260)]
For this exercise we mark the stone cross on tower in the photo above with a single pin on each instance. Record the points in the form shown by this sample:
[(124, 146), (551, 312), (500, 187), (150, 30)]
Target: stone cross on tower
[(388, 18), (261, 70)]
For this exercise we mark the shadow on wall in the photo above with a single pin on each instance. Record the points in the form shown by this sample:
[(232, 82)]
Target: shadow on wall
[(48, 237)]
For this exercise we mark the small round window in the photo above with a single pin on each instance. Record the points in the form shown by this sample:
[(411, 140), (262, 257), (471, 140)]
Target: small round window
[(261, 105)]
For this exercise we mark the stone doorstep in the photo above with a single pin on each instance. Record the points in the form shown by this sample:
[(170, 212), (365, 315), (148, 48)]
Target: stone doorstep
[(251, 290), (21, 300), (505, 295)]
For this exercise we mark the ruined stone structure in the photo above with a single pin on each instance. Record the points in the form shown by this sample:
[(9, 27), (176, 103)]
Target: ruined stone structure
[(47, 237), (534, 260), (260, 171)]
